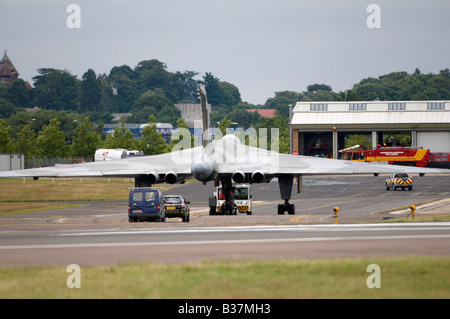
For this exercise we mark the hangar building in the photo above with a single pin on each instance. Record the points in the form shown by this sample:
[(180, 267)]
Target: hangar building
[(325, 126)]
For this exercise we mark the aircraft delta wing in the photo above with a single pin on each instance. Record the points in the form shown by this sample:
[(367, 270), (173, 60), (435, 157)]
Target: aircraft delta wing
[(224, 160), (146, 169)]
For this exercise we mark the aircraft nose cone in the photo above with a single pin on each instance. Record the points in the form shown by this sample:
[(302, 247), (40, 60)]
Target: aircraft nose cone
[(200, 169)]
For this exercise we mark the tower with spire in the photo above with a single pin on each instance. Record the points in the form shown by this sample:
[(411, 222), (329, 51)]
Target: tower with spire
[(8, 72)]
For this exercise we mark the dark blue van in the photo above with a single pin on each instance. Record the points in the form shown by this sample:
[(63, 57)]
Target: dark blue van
[(146, 203)]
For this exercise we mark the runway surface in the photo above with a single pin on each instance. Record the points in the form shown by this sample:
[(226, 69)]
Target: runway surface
[(98, 233), (174, 245)]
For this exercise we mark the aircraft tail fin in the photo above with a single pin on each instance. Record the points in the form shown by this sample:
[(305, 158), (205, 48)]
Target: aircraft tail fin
[(205, 116)]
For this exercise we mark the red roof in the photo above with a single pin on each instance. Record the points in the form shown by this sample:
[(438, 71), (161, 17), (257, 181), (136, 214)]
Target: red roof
[(264, 112)]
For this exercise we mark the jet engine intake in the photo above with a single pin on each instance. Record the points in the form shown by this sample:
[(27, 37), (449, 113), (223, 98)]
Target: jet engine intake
[(153, 177), (238, 177), (258, 177), (171, 178)]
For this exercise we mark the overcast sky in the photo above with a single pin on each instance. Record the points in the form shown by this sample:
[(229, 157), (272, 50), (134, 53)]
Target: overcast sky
[(261, 46)]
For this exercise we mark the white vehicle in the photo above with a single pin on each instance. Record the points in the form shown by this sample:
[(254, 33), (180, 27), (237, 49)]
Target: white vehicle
[(134, 153), (104, 154), (240, 197)]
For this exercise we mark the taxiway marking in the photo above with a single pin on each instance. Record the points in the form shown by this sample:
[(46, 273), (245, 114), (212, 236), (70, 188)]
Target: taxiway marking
[(302, 230), (230, 241)]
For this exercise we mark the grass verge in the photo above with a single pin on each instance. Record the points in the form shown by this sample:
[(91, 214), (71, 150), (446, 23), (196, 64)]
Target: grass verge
[(9, 209), (417, 219), (400, 277), (67, 189)]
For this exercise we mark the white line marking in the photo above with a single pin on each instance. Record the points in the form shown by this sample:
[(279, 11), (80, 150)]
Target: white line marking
[(296, 228), (216, 242)]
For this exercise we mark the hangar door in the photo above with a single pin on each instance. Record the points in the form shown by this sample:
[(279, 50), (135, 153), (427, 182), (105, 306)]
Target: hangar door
[(316, 144), (437, 142)]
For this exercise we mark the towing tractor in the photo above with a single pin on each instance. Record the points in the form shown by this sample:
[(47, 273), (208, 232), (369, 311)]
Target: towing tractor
[(241, 200)]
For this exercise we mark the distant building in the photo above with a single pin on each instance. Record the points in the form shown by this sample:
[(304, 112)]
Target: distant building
[(191, 113), (32, 109), (117, 117), (165, 129), (264, 112), (11, 162), (326, 125), (8, 72)]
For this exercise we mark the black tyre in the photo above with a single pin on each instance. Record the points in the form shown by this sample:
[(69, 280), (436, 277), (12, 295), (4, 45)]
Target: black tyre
[(291, 209)]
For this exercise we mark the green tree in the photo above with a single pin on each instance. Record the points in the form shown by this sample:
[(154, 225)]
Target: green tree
[(224, 125), (90, 92), (51, 142), (26, 142), (151, 142), (215, 96), (19, 94), (230, 93), (56, 90), (349, 95), (243, 118), (281, 123), (282, 100), (403, 86), (124, 92), (124, 71), (6, 144), (105, 106), (7, 108), (441, 83), (152, 98), (189, 85), (121, 138), (40, 118), (4, 90), (154, 102), (220, 93), (153, 74), (320, 95), (316, 87), (86, 140), (445, 73)]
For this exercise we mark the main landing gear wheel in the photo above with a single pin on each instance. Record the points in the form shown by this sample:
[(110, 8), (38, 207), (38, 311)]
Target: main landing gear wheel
[(286, 207), (228, 209), (285, 182)]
